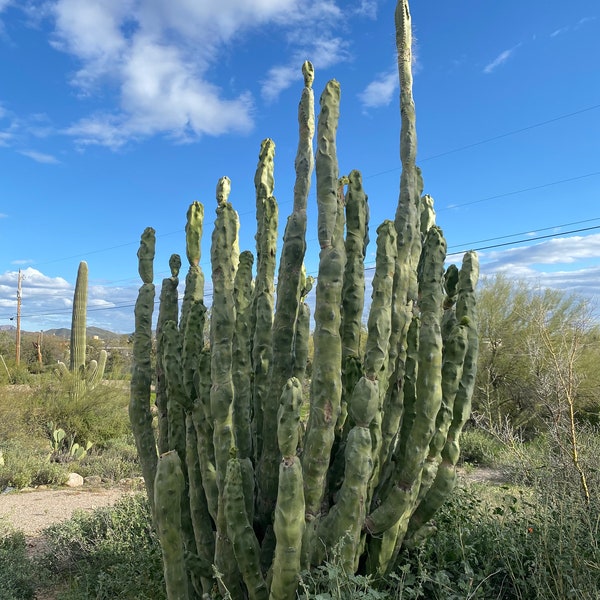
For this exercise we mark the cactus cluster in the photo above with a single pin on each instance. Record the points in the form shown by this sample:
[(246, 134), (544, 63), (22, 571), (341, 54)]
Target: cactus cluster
[(246, 492), (81, 377)]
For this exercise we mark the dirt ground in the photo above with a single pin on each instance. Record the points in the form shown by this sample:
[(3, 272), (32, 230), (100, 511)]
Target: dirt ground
[(32, 511)]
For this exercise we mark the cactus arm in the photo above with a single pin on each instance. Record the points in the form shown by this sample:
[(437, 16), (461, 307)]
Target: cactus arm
[(241, 534), (141, 376), (326, 387), (242, 375), (289, 510), (266, 245), (357, 239), (201, 519), (326, 164), (288, 295), (168, 489), (194, 280), (343, 524), (204, 435), (168, 311), (224, 260), (302, 335), (445, 480), (412, 450), (379, 325), (96, 373)]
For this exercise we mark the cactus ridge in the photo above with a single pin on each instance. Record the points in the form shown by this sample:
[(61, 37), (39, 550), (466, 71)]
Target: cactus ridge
[(271, 464)]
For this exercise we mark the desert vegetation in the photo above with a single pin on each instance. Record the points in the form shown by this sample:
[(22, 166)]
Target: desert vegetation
[(265, 478)]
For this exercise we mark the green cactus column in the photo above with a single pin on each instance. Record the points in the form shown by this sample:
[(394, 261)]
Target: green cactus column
[(289, 510), (224, 259), (78, 322), (326, 387), (445, 477), (168, 490), (194, 281), (289, 285), (141, 375), (168, 311), (264, 290), (242, 354)]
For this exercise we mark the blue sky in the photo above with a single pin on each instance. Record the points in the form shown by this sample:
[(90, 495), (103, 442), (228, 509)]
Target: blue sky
[(116, 114)]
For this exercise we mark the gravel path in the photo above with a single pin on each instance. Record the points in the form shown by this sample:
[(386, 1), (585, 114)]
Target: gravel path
[(32, 511)]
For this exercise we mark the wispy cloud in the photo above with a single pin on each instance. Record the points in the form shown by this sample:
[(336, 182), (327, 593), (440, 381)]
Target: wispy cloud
[(500, 59), (367, 8), (40, 157), (22, 261), (544, 264), (47, 302), (380, 91), (323, 53), (155, 60)]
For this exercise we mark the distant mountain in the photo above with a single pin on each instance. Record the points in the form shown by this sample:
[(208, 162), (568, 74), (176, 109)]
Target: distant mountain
[(103, 334)]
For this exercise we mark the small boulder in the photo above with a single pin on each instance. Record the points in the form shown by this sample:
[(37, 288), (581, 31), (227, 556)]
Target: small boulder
[(74, 480)]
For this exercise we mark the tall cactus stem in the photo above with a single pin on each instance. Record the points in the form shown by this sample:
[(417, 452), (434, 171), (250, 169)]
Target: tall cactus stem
[(141, 375), (168, 488), (326, 387)]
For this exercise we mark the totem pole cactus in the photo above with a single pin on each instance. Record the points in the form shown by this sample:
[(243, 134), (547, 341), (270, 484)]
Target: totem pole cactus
[(258, 494), (81, 377)]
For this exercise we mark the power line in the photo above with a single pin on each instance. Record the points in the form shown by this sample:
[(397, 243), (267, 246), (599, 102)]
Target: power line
[(432, 157), (521, 191), (540, 237), (503, 237), (491, 139)]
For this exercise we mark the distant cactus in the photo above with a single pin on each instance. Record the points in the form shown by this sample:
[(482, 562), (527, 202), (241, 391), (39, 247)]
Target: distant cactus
[(81, 377), (242, 483)]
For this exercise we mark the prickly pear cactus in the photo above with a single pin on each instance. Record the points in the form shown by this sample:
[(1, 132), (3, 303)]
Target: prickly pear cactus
[(267, 470)]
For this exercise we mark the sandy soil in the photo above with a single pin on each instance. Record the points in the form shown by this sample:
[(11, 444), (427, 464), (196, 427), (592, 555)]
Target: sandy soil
[(31, 511)]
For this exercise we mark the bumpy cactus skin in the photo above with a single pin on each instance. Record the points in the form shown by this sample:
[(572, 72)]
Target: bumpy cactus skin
[(265, 493)]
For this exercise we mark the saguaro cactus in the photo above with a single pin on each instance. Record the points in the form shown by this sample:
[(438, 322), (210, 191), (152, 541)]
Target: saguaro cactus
[(263, 493), (81, 377)]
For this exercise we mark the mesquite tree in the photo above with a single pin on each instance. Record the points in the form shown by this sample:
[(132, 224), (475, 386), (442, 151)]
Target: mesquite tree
[(244, 492)]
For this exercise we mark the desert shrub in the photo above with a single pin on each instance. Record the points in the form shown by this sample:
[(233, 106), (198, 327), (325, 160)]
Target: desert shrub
[(110, 553), (480, 448), (16, 572), (118, 460), (98, 416)]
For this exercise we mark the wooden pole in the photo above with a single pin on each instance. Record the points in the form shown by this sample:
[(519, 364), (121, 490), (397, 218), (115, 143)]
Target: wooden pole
[(18, 337)]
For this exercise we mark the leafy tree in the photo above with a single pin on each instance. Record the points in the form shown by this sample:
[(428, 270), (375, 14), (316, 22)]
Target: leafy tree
[(538, 352)]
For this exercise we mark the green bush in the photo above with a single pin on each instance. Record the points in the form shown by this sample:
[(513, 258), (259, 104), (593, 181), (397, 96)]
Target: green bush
[(110, 553), (16, 571), (480, 448)]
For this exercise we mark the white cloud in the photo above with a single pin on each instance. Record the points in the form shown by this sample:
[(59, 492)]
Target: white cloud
[(47, 302), (541, 264), (500, 60), (156, 57), (380, 91), (367, 8), (40, 157), (322, 52)]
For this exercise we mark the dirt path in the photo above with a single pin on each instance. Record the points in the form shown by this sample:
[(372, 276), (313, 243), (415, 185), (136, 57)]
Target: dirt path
[(31, 511)]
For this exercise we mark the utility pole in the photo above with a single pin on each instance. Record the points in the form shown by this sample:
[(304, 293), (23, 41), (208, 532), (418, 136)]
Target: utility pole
[(18, 338)]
